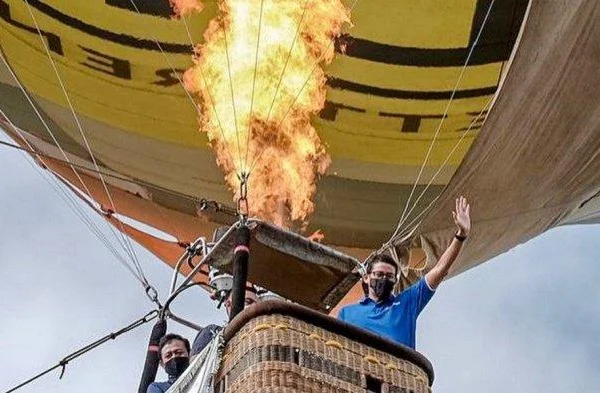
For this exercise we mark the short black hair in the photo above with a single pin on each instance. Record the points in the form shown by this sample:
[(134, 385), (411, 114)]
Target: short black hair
[(167, 338), (383, 258)]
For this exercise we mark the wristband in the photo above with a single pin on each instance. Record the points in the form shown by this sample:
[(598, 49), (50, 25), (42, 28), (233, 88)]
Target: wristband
[(460, 238)]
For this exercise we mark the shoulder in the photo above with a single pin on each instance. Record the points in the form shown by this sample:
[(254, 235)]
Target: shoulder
[(418, 294), (349, 310), (203, 337), (157, 387), (351, 307), (209, 330)]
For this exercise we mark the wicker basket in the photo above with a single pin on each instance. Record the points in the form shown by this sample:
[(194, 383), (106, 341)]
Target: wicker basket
[(280, 353)]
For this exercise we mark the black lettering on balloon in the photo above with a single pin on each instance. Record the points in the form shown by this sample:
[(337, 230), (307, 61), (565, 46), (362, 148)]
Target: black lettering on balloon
[(54, 43), (410, 123), (476, 121), (149, 7), (121, 39), (330, 110), (107, 64)]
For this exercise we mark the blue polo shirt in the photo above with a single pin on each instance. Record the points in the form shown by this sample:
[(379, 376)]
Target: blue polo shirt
[(394, 318)]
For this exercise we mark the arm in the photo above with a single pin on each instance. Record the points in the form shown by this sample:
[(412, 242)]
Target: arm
[(152, 357), (462, 219)]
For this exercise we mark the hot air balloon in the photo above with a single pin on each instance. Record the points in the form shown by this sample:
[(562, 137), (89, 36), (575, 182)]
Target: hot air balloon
[(424, 101)]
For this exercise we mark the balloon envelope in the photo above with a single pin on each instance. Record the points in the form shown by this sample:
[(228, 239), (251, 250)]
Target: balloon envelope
[(388, 90)]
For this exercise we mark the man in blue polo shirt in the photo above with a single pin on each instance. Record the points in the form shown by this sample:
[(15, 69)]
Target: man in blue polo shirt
[(395, 316)]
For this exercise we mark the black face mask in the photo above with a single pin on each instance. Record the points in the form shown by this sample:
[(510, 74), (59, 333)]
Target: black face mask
[(382, 287), (176, 366)]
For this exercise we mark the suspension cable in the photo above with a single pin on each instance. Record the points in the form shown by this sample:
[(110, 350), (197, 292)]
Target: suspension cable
[(106, 215), (175, 73), (129, 247), (43, 121), (439, 127), (257, 158), (237, 135), (191, 99), (253, 85), (67, 161), (92, 170), (62, 364), (409, 228), (187, 30), (210, 96), (448, 156), (287, 60), (67, 198)]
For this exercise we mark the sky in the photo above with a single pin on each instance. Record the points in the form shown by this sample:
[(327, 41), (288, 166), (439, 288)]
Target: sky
[(525, 321)]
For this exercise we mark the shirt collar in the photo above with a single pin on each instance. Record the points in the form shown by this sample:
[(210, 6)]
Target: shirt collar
[(367, 300)]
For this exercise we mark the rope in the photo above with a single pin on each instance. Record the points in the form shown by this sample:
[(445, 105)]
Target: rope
[(92, 170), (68, 199), (128, 246), (198, 111), (439, 127), (253, 83), (62, 364), (138, 182), (237, 135), (287, 60), (187, 30), (175, 73), (61, 193), (52, 136), (408, 230), (210, 96), (463, 134), (106, 215), (70, 202), (73, 205), (295, 99)]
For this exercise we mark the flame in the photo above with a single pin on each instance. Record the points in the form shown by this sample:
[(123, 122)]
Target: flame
[(257, 104), (186, 7)]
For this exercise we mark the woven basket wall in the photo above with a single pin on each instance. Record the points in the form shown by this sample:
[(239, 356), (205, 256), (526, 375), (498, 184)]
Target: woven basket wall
[(277, 353)]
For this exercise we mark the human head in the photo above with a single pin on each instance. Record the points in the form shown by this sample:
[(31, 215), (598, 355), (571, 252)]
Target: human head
[(381, 267), (249, 298), (174, 353)]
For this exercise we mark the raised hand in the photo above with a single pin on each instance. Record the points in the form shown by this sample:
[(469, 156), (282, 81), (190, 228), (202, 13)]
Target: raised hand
[(462, 216)]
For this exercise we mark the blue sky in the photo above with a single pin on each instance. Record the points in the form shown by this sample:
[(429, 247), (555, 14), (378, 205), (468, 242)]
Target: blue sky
[(525, 321)]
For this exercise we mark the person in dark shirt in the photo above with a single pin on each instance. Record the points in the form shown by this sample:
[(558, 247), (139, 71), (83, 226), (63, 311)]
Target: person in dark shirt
[(174, 351), (205, 335), (395, 316)]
